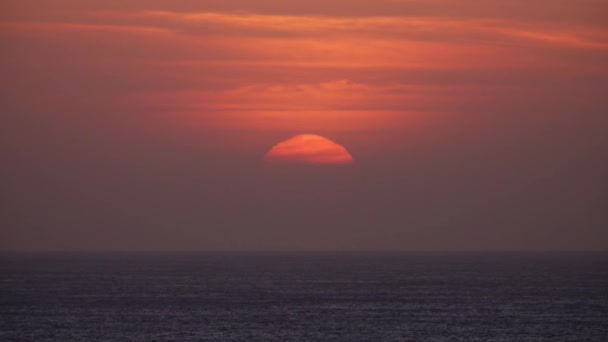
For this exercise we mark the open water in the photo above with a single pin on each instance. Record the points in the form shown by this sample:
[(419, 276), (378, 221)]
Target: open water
[(304, 297)]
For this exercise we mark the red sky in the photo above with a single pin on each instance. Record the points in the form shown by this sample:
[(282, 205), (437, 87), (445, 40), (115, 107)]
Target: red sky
[(486, 120)]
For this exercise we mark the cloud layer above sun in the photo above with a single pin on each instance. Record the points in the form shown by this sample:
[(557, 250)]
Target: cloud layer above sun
[(299, 65)]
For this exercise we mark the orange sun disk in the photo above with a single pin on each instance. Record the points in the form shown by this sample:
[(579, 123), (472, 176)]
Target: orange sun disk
[(309, 149)]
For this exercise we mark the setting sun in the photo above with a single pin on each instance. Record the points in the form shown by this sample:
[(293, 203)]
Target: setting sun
[(308, 149)]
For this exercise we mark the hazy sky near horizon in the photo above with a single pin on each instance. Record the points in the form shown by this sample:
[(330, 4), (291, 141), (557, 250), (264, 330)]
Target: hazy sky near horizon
[(142, 125)]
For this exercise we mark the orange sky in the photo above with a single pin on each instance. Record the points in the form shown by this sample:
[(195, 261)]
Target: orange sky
[(301, 67), (461, 115)]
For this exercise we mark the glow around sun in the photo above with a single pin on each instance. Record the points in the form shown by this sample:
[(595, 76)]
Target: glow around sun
[(308, 149)]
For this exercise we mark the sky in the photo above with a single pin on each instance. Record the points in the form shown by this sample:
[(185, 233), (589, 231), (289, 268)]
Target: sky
[(139, 125)]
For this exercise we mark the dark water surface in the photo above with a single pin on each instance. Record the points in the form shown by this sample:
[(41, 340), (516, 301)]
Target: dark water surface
[(304, 297)]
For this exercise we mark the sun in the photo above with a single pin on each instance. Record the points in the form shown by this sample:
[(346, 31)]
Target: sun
[(310, 149)]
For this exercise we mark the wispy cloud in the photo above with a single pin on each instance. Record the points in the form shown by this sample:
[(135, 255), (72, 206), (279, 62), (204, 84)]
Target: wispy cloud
[(214, 61)]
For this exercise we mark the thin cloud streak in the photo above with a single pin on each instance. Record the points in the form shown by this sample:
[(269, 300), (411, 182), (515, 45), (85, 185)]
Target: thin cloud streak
[(188, 61)]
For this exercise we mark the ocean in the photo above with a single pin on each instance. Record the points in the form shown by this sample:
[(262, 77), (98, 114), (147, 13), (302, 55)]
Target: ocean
[(304, 297)]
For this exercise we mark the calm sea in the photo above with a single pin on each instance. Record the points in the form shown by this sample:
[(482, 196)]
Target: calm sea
[(304, 297)]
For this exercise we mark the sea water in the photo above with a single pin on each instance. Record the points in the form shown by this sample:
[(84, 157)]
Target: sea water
[(304, 297)]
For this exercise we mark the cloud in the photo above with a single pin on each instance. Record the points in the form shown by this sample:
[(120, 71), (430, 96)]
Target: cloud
[(245, 66), (427, 28), (586, 12), (398, 42)]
